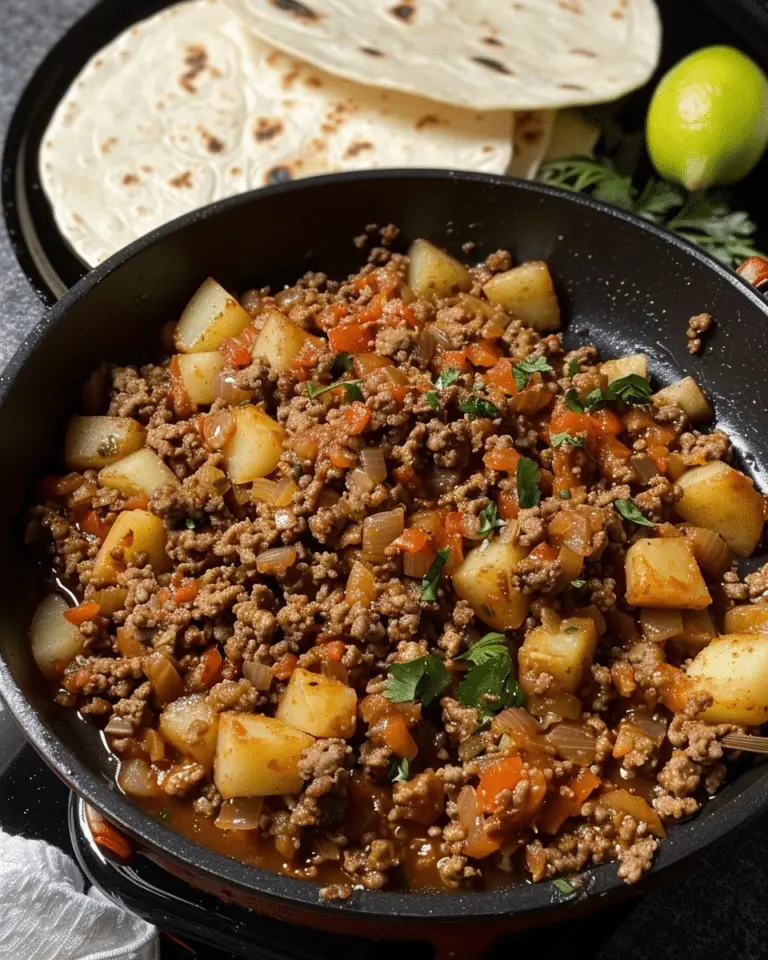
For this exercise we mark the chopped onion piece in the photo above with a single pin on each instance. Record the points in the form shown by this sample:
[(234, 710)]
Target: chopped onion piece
[(571, 562), (276, 560), (259, 674), (572, 741), (425, 347), (372, 462), (622, 801), (218, 429), (571, 530), (332, 668), (655, 728), (360, 585), (442, 481), (263, 490), (119, 726), (284, 493), (532, 399), (227, 389), (426, 520), (164, 678), (477, 843), (359, 482), (240, 813), (379, 531), (137, 778), (660, 625), (709, 549), (594, 615), (417, 565), (645, 468)]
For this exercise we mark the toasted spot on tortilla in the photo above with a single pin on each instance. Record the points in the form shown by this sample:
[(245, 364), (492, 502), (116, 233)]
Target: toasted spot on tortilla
[(267, 128), (108, 144), (578, 52), (403, 11), (492, 65), (372, 51), (355, 148), (313, 81), (235, 171), (212, 143), (428, 120), (300, 10), (290, 77), (130, 180), (196, 62), (278, 175), (182, 180), (570, 86), (493, 41)]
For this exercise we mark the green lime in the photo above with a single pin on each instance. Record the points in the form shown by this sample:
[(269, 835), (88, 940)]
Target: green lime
[(708, 119)]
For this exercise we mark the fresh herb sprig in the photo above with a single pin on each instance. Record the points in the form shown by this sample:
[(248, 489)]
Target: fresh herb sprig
[(630, 512), (489, 520), (523, 370), (352, 388), (528, 476), (490, 684), (424, 678), (431, 579)]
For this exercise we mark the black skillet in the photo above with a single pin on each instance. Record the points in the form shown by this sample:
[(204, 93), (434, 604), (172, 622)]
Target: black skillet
[(624, 285)]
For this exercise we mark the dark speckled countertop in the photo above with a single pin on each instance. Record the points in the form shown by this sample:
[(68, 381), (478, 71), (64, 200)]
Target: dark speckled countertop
[(718, 908)]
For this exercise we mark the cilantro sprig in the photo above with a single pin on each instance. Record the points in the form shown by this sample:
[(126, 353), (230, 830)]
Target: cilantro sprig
[(630, 512), (528, 476), (352, 388), (424, 678), (431, 579), (490, 684), (632, 389), (523, 370), (558, 439), (342, 362), (399, 770), (446, 378), (476, 407), (489, 520)]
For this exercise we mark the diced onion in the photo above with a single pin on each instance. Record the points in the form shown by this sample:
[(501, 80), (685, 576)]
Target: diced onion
[(119, 726), (675, 466), (276, 560), (327, 849), (594, 615), (571, 562), (365, 364), (521, 729), (137, 778), (571, 530), (660, 625), (240, 813), (227, 389), (417, 564), (471, 747), (655, 728), (155, 744), (359, 482), (477, 843), (645, 468), (622, 801), (709, 549), (259, 674), (331, 668), (379, 531), (284, 493), (425, 347), (572, 741), (218, 429), (288, 297), (242, 492), (561, 706), (532, 399), (164, 678), (263, 490), (442, 481), (360, 585), (426, 520), (372, 462), (550, 619)]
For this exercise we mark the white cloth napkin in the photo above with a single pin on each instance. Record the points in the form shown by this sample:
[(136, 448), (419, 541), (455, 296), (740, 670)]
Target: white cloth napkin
[(46, 915)]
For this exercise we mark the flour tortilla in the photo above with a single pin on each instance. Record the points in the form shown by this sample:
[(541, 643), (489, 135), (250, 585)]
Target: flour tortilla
[(189, 106), (480, 54), (533, 132)]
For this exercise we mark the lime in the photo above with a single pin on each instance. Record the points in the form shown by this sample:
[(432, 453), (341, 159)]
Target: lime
[(708, 119)]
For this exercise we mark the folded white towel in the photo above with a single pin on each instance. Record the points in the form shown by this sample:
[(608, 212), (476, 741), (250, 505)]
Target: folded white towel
[(46, 915)]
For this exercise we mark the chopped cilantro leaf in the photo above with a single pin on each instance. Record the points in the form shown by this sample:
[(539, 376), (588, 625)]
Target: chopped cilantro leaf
[(431, 397), (594, 399), (558, 439), (565, 494), (190, 523), (578, 584), (479, 407), (425, 678), (630, 512), (354, 392), (572, 402), (523, 370), (490, 685), (244, 403), (399, 770), (489, 520), (448, 377), (573, 367), (528, 476), (341, 363), (432, 578), (562, 886), (632, 389), (572, 629)]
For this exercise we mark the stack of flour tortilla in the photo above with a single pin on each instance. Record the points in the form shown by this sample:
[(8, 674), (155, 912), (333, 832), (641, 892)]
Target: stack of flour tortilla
[(210, 98)]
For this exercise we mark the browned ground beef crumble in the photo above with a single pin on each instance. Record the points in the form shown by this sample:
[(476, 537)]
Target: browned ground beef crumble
[(213, 612)]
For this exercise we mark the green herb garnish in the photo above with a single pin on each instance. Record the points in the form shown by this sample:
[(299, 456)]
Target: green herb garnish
[(447, 378), (573, 403), (190, 523), (425, 678), (490, 685), (244, 403), (528, 476), (522, 371), (162, 814), (479, 407), (341, 363), (489, 520), (573, 367), (558, 439), (432, 578), (565, 494), (562, 886), (632, 389), (399, 770), (578, 584), (431, 397), (354, 392), (571, 629), (630, 512), (594, 399)]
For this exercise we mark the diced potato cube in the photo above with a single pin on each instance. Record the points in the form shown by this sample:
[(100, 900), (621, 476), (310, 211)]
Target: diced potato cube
[(255, 448), (483, 580), (663, 573), (140, 472), (192, 725), (93, 442), (565, 653), (280, 341), (747, 618), (54, 641), (733, 670), (134, 531), (527, 292), (198, 372), (433, 273), (687, 395), (722, 499), (210, 317), (636, 363), (257, 756), (319, 705)]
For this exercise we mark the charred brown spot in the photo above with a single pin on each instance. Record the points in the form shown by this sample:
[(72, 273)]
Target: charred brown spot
[(108, 144), (571, 86), (428, 120), (266, 129), (196, 62), (578, 52), (491, 64), (403, 11), (297, 9), (130, 180), (212, 143), (278, 175), (372, 51), (493, 41), (356, 148), (182, 181)]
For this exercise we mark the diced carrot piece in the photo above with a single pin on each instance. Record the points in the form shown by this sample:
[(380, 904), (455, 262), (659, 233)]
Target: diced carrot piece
[(504, 775), (235, 353), (94, 525), (137, 503), (372, 311), (213, 663), (285, 666), (412, 540), (365, 363), (484, 354), (675, 688), (451, 360), (502, 458), (398, 738), (357, 417), (330, 316), (108, 838), (660, 457), (606, 423), (501, 376), (186, 593), (350, 338), (455, 543), (341, 458), (508, 505), (407, 476), (163, 596), (544, 552), (307, 355), (334, 650), (453, 522), (564, 420), (82, 613), (557, 809)]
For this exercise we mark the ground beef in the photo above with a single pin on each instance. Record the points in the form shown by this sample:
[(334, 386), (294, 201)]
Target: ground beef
[(696, 327)]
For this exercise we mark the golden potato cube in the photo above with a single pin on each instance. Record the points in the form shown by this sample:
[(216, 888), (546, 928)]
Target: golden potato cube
[(733, 670), (687, 395), (433, 273), (565, 653), (54, 641), (198, 373), (636, 363), (94, 442), (210, 317), (747, 618), (527, 292), (255, 448), (140, 472), (722, 499), (483, 580), (319, 705), (280, 341), (134, 531), (192, 725), (663, 573), (257, 756)]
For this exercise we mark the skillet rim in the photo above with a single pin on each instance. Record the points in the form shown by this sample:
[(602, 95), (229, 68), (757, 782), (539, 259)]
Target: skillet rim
[(525, 899)]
